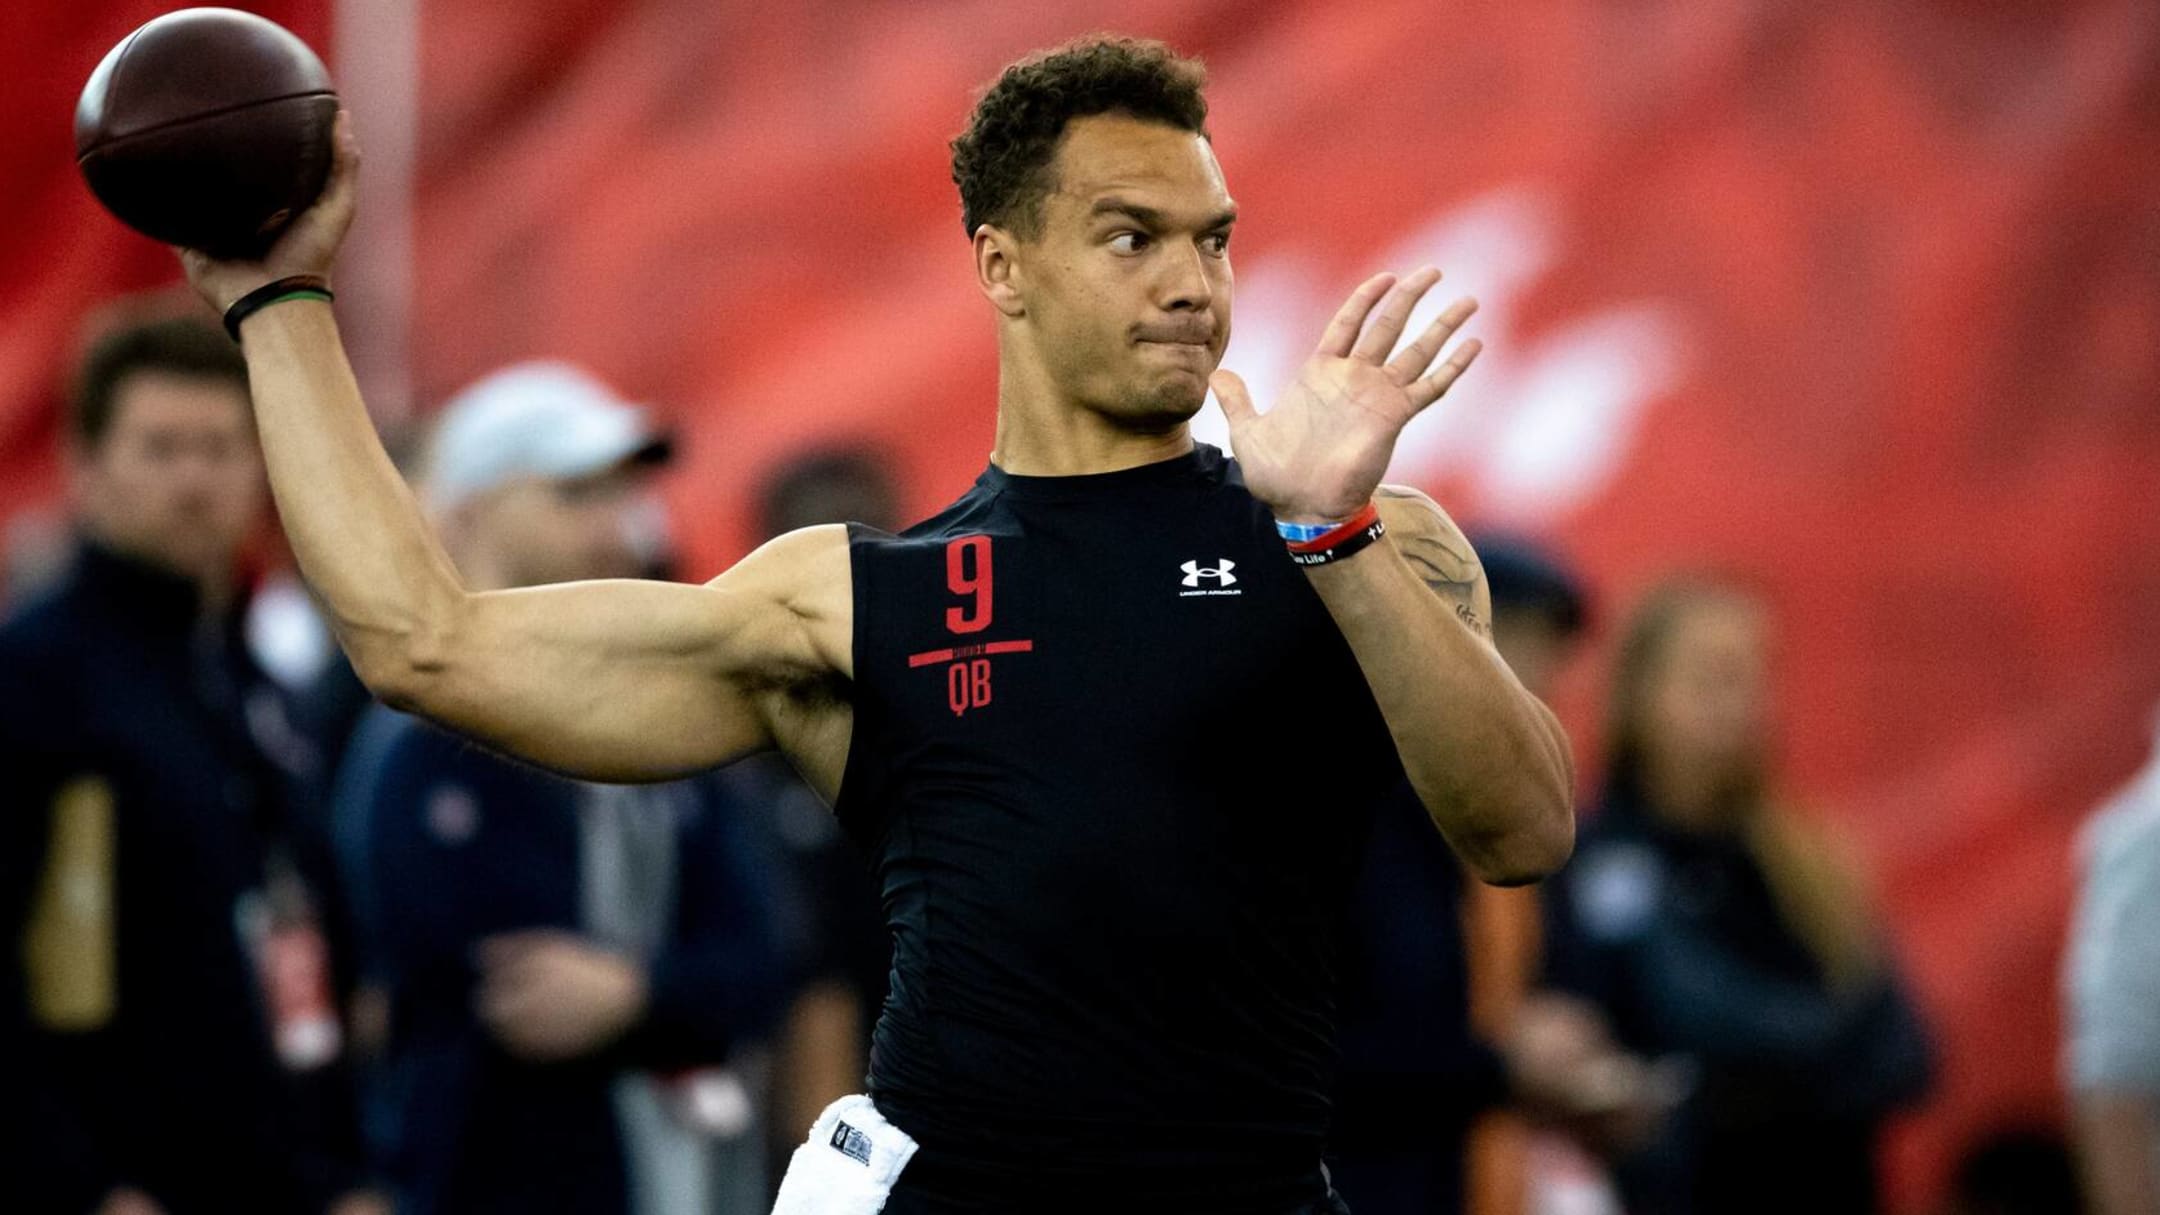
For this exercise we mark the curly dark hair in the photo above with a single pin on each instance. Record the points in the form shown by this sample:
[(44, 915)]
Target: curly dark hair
[(1001, 162)]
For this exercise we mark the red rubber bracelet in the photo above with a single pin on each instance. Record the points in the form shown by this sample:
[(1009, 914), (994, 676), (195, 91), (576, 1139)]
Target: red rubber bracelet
[(1342, 531), (1356, 532)]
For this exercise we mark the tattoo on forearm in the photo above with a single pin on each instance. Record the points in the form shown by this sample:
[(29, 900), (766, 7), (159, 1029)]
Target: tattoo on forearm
[(1447, 564), (1468, 615)]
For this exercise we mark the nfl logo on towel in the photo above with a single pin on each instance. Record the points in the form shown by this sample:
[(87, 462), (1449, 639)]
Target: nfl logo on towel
[(851, 1143), (847, 1164)]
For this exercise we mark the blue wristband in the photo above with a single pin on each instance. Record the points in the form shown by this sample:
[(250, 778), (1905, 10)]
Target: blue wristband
[(1304, 533)]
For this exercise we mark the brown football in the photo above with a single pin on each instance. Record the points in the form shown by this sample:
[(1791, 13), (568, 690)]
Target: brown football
[(208, 128)]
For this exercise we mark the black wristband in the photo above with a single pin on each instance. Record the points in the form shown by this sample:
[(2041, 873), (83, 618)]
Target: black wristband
[(309, 286)]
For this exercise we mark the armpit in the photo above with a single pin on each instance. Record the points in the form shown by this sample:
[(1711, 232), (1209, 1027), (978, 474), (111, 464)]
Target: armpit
[(808, 685)]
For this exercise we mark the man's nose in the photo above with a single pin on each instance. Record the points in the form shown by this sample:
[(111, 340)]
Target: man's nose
[(1186, 285), (198, 470)]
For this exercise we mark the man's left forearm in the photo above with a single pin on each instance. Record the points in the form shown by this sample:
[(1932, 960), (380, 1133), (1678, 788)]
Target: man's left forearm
[(1486, 758)]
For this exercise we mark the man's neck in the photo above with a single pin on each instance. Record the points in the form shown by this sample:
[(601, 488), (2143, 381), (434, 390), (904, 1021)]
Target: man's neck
[(1039, 434)]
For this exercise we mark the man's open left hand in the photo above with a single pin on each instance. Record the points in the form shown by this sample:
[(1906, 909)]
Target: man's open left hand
[(1320, 452)]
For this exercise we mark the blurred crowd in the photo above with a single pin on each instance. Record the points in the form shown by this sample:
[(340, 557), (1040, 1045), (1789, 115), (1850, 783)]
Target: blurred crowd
[(284, 949)]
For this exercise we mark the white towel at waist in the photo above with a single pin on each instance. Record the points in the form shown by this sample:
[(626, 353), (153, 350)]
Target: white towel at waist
[(848, 1164)]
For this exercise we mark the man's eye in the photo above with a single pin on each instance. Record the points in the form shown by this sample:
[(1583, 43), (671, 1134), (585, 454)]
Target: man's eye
[(1217, 243), (1128, 242)]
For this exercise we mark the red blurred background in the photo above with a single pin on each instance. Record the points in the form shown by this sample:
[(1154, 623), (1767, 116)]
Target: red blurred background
[(1859, 301)]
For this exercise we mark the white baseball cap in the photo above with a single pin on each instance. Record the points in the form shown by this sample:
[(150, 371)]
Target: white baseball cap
[(538, 419)]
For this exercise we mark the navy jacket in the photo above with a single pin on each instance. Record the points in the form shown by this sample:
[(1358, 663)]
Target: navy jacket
[(446, 844), (115, 691), (1678, 939)]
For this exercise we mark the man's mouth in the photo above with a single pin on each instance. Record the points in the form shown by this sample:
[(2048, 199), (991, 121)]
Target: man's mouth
[(1202, 336)]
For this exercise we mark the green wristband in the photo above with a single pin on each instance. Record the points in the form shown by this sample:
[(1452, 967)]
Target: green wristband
[(295, 287)]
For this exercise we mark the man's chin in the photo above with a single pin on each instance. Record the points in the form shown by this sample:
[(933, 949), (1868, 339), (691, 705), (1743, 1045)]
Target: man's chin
[(188, 555), (1169, 402)]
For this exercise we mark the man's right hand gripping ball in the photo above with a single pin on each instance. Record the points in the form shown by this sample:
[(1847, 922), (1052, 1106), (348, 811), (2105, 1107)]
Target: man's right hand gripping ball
[(307, 247)]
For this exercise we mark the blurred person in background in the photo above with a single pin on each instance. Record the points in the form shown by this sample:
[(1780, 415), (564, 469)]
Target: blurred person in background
[(563, 966), (2112, 1001), (1418, 1069), (168, 1027), (1706, 924), (834, 929)]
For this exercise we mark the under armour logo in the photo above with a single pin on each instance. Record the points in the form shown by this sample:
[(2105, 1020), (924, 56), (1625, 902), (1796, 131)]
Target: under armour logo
[(1220, 572)]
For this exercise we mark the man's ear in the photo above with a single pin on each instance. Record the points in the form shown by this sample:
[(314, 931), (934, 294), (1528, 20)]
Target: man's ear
[(997, 270)]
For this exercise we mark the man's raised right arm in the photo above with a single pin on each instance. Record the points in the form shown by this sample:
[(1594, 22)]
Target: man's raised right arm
[(607, 680)]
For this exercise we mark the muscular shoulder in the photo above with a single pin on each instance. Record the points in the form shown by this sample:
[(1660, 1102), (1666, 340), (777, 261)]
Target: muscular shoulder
[(1438, 551), (798, 567), (802, 600)]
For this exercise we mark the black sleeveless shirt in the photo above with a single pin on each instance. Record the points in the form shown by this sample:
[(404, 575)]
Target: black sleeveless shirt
[(1113, 763)]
